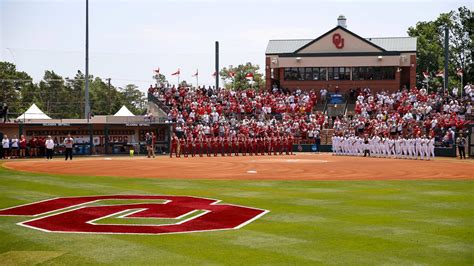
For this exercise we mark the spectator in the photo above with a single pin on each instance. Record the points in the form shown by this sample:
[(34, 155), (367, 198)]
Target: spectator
[(68, 144), (49, 143), (14, 147), (22, 146), (5, 147)]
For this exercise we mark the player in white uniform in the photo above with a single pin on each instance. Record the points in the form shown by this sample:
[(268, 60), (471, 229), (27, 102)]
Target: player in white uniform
[(431, 147), (387, 148), (424, 148), (418, 148), (405, 148), (393, 152)]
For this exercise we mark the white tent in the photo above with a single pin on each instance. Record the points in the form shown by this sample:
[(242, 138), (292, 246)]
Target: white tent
[(33, 113), (124, 112)]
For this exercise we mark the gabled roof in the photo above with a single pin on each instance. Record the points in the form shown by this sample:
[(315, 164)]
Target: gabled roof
[(33, 113), (400, 44), (124, 112), (285, 46), (343, 29), (389, 44)]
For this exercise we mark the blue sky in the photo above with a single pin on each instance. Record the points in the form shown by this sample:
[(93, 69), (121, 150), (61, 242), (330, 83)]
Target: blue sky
[(128, 39)]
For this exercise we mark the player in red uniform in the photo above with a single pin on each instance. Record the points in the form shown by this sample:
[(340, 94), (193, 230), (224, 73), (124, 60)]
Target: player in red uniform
[(241, 145), (290, 144), (189, 149), (221, 146), (174, 145), (205, 147), (254, 146), (267, 145), (275, 145), (183, 147), (227, 145), (248, 144), (284, 145), (279, 145), (235, 147), (215, 146), (260, 146)]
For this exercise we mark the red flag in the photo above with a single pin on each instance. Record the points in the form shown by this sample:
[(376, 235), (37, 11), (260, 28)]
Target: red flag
[(197, 73), (426, 74), (440, 74), (249, 76), (460, 72), (214, 74), (176, 73), (157, 71), (231, 74)]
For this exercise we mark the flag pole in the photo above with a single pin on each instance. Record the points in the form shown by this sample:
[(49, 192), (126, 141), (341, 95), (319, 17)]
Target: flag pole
[(197, 78), (427, 81)]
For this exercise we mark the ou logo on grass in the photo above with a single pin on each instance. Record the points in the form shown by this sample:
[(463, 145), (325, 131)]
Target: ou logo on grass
[(179, 214)]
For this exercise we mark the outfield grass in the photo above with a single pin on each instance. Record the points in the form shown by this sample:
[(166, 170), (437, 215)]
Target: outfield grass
[(310, 222)]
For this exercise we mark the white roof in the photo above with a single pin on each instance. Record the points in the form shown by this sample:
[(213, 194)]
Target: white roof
[(33, 113), (124, 112)]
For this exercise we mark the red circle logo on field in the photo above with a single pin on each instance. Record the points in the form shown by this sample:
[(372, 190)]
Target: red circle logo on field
[(187, 214)]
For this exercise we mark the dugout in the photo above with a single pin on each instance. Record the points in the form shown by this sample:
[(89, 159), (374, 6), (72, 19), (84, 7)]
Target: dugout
[(100, 135)]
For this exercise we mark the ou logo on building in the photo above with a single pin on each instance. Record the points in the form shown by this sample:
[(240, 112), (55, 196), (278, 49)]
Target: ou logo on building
[(338, 41), (72, 215)]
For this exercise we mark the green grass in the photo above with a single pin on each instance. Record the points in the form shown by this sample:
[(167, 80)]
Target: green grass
[(311, 222)]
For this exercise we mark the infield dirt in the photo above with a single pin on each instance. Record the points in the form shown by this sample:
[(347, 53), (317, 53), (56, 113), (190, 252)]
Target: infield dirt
[(282, 167)]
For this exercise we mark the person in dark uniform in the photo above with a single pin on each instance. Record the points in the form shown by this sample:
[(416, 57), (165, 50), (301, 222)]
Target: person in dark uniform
[(461, 142), (68, 143), (366, 147)]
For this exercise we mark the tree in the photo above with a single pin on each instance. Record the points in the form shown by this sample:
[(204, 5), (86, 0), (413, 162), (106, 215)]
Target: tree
[(184, 83), (14, 84), (105, 99), (239, 80), (430, 50), (160, 79), (76, 88), (133, 99)]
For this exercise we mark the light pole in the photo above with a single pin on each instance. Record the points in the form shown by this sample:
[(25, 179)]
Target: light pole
[(87, 107)]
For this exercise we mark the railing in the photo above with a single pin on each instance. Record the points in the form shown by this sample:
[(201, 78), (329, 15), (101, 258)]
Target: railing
[(161, 105)]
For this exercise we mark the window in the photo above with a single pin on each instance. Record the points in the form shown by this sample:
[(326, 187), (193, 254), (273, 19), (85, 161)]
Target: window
[(304, 73), (322, 73), (301, 73), (373, 73), (308, 73), (316, 73), (291, 73), (339, 73)]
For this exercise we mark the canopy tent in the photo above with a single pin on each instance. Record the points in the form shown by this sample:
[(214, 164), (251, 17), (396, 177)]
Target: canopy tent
[(33, 113), (124, 112)]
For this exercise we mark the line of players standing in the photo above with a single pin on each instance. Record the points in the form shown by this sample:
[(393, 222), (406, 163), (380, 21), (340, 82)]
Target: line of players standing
[(382, 147), (207, 145)]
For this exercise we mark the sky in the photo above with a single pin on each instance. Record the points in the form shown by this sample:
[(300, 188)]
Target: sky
[(129, 39)]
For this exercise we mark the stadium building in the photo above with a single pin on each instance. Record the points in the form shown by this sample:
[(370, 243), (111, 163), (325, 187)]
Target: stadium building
[(341, 60)]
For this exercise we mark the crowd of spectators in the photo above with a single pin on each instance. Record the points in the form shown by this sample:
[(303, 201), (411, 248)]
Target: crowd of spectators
[(228, 113), (408, 113)]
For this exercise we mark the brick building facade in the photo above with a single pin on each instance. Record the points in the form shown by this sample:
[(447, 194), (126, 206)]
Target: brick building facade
[(340, 59)]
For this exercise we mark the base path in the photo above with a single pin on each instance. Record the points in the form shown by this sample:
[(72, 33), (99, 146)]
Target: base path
[(282, 167)]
